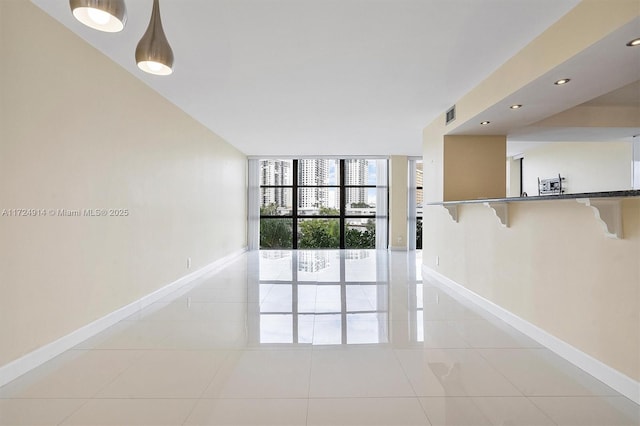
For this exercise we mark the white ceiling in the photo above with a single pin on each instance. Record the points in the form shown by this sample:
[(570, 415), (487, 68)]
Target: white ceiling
[(603, 74), (319, 77)]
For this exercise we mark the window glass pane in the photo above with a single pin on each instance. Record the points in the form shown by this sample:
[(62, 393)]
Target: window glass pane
[(360, 234), (360, 201), (276, 233), (419, 203), (318, 201), (419, 174), (276, 172), (419, 186), (319, 172), (359, 171), (318, 233), (276, 201)]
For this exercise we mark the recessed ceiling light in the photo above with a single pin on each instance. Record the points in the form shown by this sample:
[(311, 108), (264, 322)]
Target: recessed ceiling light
[(516, 106), (634, 42), (562, 81), (484, 123)]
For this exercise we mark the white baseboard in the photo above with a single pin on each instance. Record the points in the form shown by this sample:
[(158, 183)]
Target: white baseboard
[(601, 371), (22, 365)]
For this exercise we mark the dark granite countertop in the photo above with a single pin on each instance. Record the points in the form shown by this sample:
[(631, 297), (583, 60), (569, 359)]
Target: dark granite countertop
[(604, 194)]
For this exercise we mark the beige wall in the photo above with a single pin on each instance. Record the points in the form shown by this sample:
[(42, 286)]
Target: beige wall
[(433, 160), (398, 201), (79, 132), (587, 166), (553, 266), (474, 167)]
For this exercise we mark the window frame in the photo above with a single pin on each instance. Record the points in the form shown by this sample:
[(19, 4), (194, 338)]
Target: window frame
[(342, 188)]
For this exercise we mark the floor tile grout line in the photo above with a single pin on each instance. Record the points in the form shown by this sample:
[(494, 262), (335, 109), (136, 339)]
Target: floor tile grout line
[(547, 415), (424, 410), (190, 413), (489, 363), (73, 412), (229, 354), (415, 393), (404, 371), (117, 376), (306, 422), (549, 351)]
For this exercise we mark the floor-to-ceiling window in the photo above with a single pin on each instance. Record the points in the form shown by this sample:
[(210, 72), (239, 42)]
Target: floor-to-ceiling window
[(276, 203), (360, 177), (416, 199), (319, 203), (419, 203), (322, 203)]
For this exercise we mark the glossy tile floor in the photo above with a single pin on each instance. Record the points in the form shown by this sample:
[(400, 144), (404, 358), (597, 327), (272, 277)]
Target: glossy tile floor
[(312, 338)]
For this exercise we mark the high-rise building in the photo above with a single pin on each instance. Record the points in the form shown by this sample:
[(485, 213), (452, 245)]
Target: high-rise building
[(276, 172), (356, 172), (419, 184), (313, 173)]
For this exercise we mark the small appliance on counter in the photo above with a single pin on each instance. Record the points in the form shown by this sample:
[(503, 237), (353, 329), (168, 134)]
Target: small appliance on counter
[(551, 186)]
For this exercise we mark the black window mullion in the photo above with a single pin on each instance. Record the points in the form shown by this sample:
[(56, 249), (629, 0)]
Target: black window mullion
[(342, 188), (343, 207)]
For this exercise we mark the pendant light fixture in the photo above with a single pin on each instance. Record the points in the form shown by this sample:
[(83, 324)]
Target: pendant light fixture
[(102, 15), (153, 53)]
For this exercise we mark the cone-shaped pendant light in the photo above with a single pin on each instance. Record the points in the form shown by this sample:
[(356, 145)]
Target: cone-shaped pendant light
[(153, 54), (103, 15)]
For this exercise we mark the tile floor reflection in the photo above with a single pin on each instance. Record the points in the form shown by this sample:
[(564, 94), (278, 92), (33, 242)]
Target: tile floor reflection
[(322, 337), (322, 298)]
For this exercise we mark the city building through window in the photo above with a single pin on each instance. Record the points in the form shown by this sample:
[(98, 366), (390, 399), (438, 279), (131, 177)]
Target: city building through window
[(323, 203), (419, 203)]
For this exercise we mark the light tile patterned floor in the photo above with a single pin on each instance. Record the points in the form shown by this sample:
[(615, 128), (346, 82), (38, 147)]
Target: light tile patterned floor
[(312, 338)]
